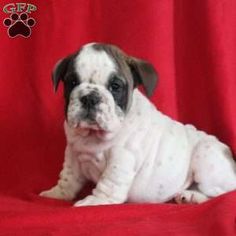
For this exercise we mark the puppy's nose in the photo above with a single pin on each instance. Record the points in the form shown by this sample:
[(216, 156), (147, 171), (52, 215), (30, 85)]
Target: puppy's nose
[(90, 100)]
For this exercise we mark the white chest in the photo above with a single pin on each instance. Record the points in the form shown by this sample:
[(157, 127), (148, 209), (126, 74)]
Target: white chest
[(91, 165)]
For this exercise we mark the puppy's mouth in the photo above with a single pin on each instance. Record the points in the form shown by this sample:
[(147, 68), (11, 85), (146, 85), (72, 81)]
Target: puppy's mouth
[(88, 124), (85, 119), (84, 129), (102, 120), (91, 132)]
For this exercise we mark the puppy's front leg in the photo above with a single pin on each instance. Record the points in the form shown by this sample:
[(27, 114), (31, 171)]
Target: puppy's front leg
[(70, 181), (116, 180)]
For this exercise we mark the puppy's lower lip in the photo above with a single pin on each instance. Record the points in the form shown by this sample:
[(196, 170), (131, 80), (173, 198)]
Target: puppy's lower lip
[(84, 132), (89, 125), (75, 126)]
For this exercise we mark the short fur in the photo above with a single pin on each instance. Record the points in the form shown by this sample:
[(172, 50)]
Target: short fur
[(130, 150)]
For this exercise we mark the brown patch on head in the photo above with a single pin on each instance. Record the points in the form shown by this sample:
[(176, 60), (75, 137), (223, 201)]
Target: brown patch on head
[(123, 70), (119, 58), (136, 71)]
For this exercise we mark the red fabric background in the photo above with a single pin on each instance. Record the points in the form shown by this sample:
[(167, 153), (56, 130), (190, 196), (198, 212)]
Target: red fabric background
[(193, 46)]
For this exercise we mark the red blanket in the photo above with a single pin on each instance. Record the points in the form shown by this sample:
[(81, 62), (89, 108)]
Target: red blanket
[(193, 46)]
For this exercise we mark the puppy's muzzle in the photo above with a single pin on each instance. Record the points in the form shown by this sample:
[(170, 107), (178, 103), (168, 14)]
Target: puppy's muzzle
[(89, 103)]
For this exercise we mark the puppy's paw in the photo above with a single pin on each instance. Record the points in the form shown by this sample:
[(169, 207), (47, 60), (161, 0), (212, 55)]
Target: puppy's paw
[(190, 197), (184, 198), (56, 193), (92, 201)]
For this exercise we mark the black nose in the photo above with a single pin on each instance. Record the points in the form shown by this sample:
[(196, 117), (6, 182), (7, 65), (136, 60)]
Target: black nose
[(90, 100)]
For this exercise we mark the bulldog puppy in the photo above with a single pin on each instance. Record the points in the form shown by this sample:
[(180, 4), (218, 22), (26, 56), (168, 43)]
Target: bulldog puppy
[(120, 141)]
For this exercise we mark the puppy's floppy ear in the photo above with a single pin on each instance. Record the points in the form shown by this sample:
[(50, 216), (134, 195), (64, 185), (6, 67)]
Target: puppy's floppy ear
[(59, 72), (143, 74)]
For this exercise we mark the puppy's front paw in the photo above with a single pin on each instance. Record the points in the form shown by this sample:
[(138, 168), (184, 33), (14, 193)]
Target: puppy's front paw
[(56, 193), (92, 201)]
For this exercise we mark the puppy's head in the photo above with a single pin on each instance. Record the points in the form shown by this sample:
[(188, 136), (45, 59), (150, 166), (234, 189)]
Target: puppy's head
[(98, 85)]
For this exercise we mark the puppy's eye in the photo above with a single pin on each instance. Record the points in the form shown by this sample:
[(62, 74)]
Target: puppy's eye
[(115, 86), (71, 80)]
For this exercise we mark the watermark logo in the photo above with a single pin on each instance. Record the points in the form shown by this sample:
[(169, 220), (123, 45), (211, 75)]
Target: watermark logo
[(19, 22)]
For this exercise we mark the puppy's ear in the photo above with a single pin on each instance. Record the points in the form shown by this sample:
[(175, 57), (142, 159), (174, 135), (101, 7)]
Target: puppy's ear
[(59, 72), (143, 74)]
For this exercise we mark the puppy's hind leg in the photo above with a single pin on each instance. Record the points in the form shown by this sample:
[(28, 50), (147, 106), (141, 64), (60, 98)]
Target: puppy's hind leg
[(190, 196), (213, 167)]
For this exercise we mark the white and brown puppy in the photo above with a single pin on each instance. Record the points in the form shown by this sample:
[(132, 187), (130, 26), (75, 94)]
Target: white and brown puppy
[(117, 138)]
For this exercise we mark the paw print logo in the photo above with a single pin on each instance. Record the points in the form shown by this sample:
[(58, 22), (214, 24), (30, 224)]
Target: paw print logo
[(19, 25)]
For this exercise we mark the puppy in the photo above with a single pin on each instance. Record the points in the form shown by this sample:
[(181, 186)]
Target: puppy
[(117, 139)]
